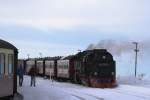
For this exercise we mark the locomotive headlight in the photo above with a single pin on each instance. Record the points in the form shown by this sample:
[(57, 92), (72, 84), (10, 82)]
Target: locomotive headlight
[(104, 57), (112, 73), (95, 73)]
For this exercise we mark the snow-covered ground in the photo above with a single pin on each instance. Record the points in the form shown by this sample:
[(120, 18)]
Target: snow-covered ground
[(48, 90), (131, 80)]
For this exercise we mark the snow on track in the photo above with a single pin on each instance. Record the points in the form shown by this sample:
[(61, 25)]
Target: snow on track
[(48, 90), (133, 91)]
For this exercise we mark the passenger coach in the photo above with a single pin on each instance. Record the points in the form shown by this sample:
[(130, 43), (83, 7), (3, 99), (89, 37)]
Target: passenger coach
[(65, 68), (29, 64), (40, 64), (8, 65), (51, 66)]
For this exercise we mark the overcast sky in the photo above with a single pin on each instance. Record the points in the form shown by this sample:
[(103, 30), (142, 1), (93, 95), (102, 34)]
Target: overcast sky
[(61, 27)]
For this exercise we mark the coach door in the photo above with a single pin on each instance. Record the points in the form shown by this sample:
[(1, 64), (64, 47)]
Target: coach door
[(6, 72)]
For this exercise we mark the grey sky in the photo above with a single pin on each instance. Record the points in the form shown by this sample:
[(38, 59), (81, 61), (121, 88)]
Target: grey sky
[(61, 27)]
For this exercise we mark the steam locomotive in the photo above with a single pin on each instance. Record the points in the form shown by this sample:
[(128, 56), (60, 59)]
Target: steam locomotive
[(93, 68)]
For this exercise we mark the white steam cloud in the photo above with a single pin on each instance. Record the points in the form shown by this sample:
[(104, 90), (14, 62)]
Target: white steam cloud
[(120, 47)]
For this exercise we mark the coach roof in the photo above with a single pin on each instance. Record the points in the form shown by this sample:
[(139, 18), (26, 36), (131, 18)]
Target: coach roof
[(6, 45)]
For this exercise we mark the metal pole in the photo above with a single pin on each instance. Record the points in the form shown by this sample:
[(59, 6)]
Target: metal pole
[(40, 54), (136, 51), (28, 55)]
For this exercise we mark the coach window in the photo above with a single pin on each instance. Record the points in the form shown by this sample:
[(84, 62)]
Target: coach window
[(65, 67), (10, 63), (52, 65), (49, 65), (2, 63)]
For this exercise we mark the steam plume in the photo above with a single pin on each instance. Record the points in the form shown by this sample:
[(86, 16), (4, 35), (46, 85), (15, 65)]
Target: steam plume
[(115, 47)]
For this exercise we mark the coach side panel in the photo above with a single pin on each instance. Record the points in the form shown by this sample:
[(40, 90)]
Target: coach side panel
[(6, 72)]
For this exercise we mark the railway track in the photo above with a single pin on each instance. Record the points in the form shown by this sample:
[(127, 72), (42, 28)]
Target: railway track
[(75, 92), (83, 96), (79, 97), (87, 97), (131, 93), (98, 98), (121, 91)]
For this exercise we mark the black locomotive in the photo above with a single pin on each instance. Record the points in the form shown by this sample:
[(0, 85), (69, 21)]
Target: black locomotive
[(97, 69)]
